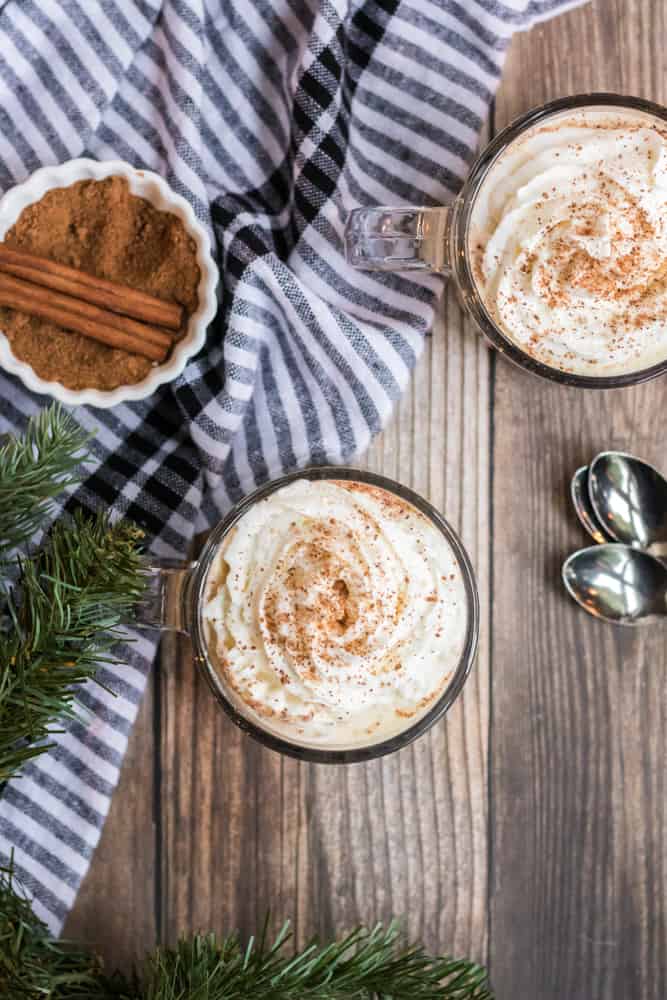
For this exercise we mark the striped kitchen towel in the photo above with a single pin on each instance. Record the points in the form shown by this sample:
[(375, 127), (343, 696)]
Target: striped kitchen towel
[(274, 118)]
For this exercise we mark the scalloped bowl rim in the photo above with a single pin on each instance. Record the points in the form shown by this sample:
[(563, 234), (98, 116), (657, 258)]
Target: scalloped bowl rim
[(145, 184)]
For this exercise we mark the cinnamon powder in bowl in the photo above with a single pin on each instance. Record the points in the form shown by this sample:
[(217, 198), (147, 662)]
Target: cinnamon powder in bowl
[(127, 227)]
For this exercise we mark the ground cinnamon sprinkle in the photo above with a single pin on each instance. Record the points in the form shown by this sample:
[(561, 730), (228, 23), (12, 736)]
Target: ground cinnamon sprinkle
[(99, 227)]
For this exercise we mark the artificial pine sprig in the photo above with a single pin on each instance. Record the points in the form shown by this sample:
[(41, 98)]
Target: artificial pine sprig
[(61, 624), (34, 468), (363, 965), (60, 618), (32, 964)]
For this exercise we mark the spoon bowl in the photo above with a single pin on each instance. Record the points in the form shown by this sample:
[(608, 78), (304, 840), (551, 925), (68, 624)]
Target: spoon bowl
[(617, 583), (584, 508), (629, 498)]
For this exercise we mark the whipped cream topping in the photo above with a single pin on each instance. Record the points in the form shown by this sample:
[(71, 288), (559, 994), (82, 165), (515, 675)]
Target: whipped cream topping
[(335, 613), (569, 241)]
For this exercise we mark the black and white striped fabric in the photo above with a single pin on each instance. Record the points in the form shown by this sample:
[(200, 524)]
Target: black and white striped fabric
[(274, 118)]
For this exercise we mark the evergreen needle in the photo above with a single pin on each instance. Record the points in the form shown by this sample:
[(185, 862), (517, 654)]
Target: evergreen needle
[(61, 616), (34, 468), (32, 965), (364, 965)]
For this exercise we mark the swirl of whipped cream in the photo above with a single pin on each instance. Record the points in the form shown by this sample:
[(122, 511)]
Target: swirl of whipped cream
[(335, 613), (569, 241)]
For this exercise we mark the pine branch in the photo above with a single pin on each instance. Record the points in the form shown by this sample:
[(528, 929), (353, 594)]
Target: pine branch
[(363, 965), (33, 470), (60, 619), (62, 623), (32, 965)]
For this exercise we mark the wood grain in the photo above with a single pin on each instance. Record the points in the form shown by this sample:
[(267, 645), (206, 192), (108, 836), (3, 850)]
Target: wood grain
[(579, 746), (328, 847), (115, 911)]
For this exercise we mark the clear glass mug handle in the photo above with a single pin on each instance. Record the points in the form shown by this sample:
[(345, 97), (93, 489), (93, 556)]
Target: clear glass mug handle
[(167, 601), (398, 239)]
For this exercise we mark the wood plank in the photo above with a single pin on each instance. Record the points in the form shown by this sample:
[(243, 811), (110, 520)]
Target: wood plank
[(245, 830), (115, 911), (439, 445), (579, 742)]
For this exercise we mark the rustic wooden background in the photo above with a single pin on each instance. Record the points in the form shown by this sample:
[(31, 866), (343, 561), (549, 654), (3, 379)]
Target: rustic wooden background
[(530, 829)]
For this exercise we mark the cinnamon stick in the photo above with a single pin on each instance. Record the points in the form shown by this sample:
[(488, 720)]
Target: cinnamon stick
[(98, 291), (82, 317)]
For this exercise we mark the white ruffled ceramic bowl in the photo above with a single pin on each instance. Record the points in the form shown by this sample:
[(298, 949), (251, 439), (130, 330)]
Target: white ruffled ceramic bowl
[(154, 189)]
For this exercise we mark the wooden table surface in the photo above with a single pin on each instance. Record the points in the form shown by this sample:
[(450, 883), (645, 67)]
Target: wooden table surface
[(529, 830)]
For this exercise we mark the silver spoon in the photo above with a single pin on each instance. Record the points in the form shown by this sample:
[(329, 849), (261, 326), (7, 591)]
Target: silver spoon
[(617, 583), (629, 497), (582, 505)]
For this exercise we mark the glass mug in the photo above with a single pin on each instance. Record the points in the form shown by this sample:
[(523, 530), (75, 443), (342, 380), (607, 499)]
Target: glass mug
[(175, 601), (437, 239)]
